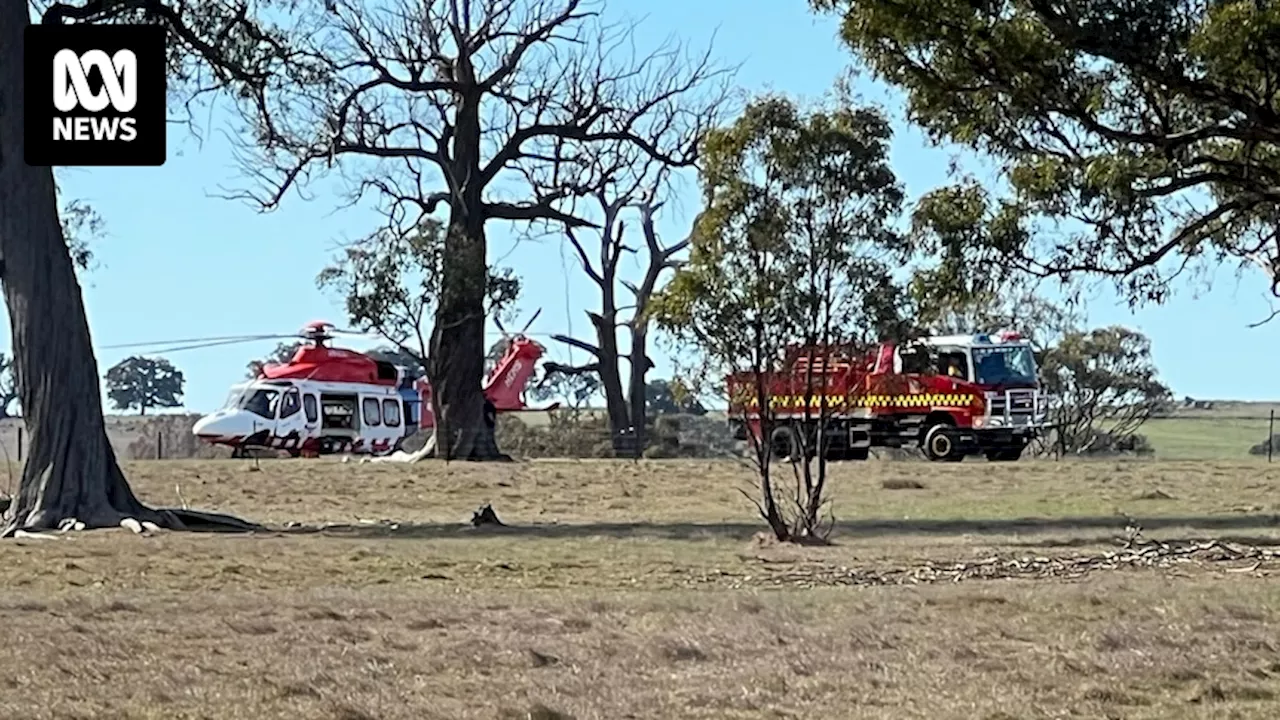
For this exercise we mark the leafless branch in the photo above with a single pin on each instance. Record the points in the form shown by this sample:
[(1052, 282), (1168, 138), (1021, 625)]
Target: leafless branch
[(542, 94)]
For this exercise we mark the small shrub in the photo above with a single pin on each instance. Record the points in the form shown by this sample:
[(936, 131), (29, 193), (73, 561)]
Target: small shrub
[(586, 434), (659, 452), (1104, 444), (1261, 448)]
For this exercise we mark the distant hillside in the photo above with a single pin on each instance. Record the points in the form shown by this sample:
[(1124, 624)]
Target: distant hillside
[(1199, 407)]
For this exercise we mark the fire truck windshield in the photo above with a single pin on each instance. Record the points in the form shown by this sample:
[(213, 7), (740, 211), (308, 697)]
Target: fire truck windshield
[(1004, 365)]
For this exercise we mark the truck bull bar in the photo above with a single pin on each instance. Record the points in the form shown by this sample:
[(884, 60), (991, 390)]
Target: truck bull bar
[(1021, 409)]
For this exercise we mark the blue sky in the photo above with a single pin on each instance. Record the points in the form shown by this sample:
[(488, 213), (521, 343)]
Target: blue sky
[(178, 262)]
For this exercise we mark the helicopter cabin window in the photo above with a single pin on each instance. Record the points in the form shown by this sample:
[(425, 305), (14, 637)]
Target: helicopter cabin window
[(310, 408), (391, 412), (263, 403), (372, 412), (953, 363), (291, 404)]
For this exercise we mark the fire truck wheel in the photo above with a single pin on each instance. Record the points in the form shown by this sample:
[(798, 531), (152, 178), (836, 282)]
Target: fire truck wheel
[(857, 453), (786, 445), (782, 443), (940, 444)]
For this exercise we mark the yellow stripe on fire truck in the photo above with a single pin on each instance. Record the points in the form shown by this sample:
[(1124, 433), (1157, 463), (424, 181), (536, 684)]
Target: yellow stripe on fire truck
[(905, 400)]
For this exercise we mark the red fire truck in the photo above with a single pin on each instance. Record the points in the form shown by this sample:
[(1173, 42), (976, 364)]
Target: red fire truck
[(953, 396)]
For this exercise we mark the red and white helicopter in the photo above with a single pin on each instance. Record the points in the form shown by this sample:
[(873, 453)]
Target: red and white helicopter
[(332, 400)]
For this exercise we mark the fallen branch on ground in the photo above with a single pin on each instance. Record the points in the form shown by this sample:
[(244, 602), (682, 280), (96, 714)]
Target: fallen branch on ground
[(1135, 554)]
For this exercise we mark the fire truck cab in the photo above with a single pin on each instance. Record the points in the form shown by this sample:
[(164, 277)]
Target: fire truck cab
[(1013, 409), (952, 396)]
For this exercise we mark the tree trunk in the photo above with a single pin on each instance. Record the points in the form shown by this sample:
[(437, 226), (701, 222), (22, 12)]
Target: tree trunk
[(636, 394), (615, 401), (71, 471), (464, 430), (71, 475), (457, 348)]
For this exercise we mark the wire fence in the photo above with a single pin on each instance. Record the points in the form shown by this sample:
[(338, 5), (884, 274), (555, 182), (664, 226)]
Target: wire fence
[(1224, 435)]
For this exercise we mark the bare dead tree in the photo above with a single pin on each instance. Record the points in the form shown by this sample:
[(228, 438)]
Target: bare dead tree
[(624, 303), (488, 108)]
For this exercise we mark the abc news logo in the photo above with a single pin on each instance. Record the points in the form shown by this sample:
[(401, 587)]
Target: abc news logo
[(71, 91), (95, 95)]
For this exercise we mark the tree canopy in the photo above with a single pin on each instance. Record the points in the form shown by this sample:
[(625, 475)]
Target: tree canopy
[(795, 238), (389, 283), (670, 397), (1137, 138), (282, 354), (574, 389), (142, 383)]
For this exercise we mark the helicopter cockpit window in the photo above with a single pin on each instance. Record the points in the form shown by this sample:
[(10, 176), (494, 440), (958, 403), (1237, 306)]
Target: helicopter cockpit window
[(290, 405), (263, 403), (372, 412)]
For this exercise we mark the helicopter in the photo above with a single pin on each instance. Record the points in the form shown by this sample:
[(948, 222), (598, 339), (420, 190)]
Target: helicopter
[(327, 399)]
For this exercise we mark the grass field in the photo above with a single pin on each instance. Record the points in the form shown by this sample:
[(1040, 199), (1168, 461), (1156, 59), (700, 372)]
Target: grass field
[(1224, 432), (1204, 438), (624, 590)]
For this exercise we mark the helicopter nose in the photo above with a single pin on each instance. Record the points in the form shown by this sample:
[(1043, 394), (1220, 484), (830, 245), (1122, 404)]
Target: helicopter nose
[(220, 426)]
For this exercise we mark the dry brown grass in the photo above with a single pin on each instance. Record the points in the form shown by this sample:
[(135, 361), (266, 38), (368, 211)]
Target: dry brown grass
[(638, 590)]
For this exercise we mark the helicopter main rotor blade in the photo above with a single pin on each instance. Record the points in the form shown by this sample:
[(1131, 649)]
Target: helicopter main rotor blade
[(224, 339), (217, 343), (528, 324), (354, 333)]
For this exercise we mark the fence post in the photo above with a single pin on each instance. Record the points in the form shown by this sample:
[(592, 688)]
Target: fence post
[(1271, 433), (159, 445), (20, 429)]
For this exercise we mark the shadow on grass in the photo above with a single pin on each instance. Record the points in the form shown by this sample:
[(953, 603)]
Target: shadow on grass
[(845, 530)]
